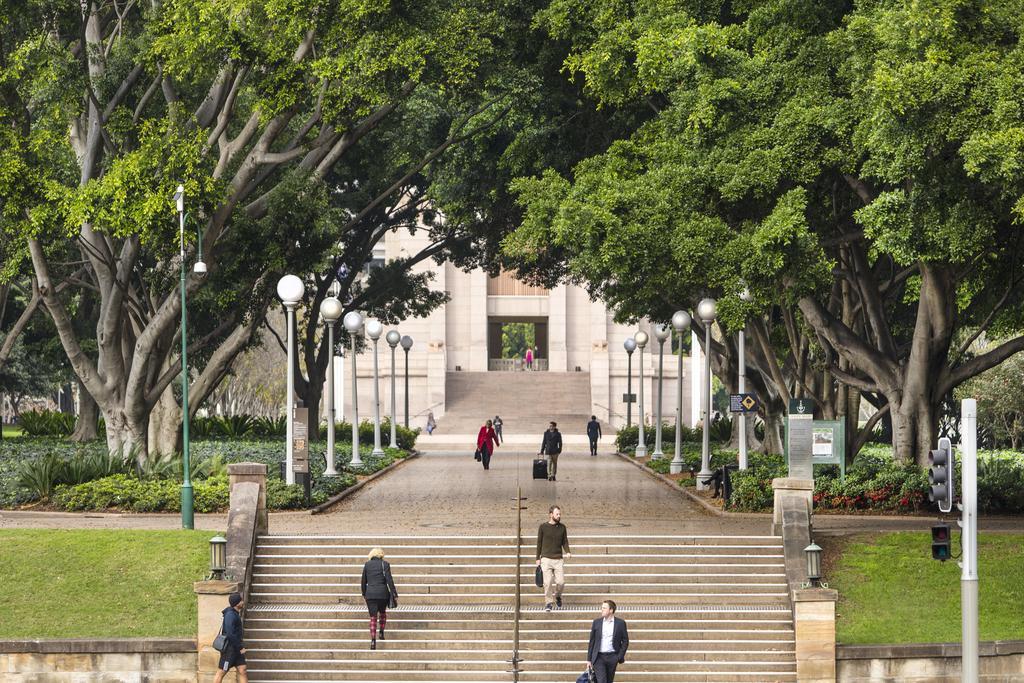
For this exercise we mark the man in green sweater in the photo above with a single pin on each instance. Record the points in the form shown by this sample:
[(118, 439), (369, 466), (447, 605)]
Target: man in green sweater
[(552, 542)]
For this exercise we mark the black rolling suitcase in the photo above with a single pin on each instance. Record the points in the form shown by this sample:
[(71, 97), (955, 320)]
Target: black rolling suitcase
[(540, 468)]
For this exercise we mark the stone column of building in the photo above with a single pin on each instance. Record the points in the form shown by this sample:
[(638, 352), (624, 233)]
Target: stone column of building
[(557, 350), (476, 327)]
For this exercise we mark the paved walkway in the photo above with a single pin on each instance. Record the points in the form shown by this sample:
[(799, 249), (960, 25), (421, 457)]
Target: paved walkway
[(451, 493)]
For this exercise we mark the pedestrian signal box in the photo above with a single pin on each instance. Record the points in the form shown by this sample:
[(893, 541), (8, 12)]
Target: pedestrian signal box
[(942, 542)]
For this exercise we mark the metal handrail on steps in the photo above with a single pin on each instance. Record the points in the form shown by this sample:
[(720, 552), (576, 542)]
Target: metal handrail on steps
[(517, 615)]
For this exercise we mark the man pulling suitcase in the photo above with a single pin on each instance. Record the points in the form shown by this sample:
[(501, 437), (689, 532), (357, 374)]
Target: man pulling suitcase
[(551, 446)]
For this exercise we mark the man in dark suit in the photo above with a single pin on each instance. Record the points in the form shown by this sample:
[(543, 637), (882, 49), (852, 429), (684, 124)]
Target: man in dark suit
[(609, 641)]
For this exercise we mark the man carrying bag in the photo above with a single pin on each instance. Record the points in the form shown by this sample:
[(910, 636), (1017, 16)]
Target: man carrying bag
[(232, 653)]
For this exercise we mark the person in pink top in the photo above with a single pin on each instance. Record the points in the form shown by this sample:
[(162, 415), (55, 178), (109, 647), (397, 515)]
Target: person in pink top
[(529, 358)]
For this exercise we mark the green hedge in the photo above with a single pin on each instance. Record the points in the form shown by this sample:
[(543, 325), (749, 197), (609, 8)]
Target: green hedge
[(250, 427), (877, 483), (125, 492)]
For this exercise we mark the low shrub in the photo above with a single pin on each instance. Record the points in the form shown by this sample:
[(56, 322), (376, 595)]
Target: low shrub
[(752, 487), (46, 423), (125, 492), (343, 433), (627, 438), (40, 476)]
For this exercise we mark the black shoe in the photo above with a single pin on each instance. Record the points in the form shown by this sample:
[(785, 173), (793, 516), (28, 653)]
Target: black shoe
[(547, 607), (554, 478), (373, 644), (380, 634), (558, 601)]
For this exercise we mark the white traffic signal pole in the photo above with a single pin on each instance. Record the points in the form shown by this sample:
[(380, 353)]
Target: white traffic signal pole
[(969, 540)]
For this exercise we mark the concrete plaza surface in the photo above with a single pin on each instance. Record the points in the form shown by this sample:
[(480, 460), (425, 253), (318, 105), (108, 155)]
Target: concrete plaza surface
[(451, 493)]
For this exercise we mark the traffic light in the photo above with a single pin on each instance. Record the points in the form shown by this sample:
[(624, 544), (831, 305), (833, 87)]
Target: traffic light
[(942, 542), (940, 475)]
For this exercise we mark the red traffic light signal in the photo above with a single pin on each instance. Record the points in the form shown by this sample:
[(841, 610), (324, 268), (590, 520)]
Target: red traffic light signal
[(942, 542)]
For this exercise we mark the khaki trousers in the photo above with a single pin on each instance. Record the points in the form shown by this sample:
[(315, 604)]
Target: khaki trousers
[(552, 465), (554, 578)]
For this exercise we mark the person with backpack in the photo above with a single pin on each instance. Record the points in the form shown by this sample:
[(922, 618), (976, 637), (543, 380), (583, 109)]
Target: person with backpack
[(378, 590), (232, 655), (497, 428)]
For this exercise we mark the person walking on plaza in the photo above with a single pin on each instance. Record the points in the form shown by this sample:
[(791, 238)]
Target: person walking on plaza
[(486, 440), (552, 551), (497, 428), (609, 641), (233, 654), (378, 589), (431, 422), (593, 433), (551, 446), (528, 357)]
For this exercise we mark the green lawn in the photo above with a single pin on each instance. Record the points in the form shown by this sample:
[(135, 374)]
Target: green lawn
[(11, 431), (98, 583), (892, 591)]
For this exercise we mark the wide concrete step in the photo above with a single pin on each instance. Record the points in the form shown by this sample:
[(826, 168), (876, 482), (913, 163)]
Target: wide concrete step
[(650, 580), (341, 570)]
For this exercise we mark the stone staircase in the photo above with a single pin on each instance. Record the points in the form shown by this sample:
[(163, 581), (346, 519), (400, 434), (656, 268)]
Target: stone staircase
[(699, 608), (533, 398)]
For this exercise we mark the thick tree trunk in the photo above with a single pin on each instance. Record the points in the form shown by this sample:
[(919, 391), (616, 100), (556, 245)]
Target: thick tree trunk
[(88, 417), (915, 429), (126, 437), (165, 435), (773, 423)]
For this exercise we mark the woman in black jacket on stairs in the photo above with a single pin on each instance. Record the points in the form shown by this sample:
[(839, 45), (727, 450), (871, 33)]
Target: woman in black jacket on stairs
[(378, 589)]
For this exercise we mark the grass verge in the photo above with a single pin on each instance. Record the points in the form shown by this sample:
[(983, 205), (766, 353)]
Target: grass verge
[(892, 591), (96, 583), (11, 431)]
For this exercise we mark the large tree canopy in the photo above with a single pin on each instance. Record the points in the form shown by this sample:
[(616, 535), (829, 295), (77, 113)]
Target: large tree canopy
[(256, 106), (856, 166)]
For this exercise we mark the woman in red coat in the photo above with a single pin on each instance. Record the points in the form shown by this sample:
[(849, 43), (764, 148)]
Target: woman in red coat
[(484, 440)]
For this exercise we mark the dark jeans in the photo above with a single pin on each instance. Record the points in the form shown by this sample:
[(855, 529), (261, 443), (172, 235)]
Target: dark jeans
[(604, 667), (485, 458), (593, 445)]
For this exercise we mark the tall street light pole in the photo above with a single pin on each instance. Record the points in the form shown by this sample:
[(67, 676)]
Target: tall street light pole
[(661, 333), (290, 290), (706, 311), (187, 494), (330, 309), (630, 346), (745, 297), (406, 345), (681, 324), (393, 337), (353, 322), (373, 330), (641, 444)]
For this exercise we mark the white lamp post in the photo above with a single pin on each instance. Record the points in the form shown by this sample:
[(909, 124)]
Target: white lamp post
[(406, 345), (330, 310), (393, 337), (661, 333), (290, 290), (745, 297), (681, 323), (641, 444), (373, 330), (630, 346), (706, 311), (353, 322)]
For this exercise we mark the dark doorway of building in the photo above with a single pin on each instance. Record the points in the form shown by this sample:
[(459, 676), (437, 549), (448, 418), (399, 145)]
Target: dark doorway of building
[(519, 344)]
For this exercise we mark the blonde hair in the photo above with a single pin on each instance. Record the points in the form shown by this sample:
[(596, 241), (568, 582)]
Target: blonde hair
[(376, 552)]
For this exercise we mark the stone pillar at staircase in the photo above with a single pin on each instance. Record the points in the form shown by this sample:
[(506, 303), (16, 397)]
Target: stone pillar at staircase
[(211, 599), (814, 624)]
